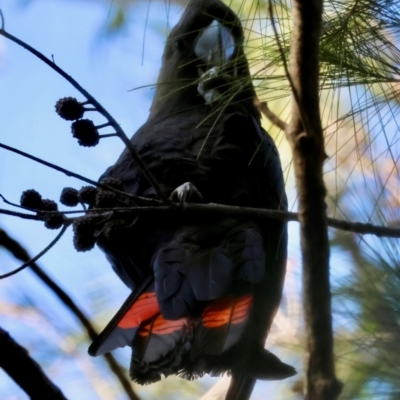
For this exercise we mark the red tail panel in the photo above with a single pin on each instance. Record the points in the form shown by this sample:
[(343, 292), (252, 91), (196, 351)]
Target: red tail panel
[(161, 326), (228, 310), (144, 308), (222, 325)]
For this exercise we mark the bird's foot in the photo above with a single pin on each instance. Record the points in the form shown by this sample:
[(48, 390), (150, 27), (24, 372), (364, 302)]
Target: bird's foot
[(186, 193)]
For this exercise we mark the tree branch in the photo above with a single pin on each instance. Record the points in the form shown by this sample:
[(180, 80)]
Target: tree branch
[(228, 211), (21, 215), (21, 254), (32, 260), (306, 138), (25, 371), (119, 131), (295, 94), (264, 109), (64, 171)]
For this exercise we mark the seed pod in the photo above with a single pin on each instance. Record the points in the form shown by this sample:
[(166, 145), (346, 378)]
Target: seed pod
[(84, 230), (49, 205), (69, 108), (87, 195), (31, 199), (69, 197), (85, 131), (53, 221)]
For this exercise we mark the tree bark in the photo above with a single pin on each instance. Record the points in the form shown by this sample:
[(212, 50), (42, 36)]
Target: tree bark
[(307, 141)]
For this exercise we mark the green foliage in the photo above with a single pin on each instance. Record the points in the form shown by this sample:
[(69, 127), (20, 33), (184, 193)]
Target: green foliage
[(117, 21)]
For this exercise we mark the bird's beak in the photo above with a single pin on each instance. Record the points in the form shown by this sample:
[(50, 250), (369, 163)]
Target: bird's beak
[(215, 45), (215, 48)]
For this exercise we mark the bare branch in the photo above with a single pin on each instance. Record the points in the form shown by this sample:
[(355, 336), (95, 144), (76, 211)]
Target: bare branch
[(264, 109), (32, 260), (221, 210), (21, 215), (65, 171), (25, 371), (295, 94), (119, 131), (20, 253), (2, 20)]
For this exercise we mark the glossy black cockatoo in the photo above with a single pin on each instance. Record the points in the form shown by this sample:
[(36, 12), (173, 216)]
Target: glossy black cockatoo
[(205, 289)]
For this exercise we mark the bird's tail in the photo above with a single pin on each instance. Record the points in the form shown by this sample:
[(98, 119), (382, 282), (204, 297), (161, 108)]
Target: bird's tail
[(262, 365), (241, 387)]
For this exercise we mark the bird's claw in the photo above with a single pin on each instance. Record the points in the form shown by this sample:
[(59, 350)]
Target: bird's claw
[(186, 193)]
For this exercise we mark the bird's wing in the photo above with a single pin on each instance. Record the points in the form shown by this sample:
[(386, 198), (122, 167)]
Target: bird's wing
[(123, 327)]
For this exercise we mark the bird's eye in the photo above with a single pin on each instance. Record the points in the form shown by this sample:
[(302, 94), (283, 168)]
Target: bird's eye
[(178, 44)]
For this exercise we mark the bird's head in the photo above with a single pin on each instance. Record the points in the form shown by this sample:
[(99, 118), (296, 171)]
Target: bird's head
[(203, 61)]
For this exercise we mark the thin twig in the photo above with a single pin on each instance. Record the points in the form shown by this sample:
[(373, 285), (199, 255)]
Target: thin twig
[(41, 213), (103, 125), (10, 203), (119, 131), (66, 171), (20, 253), (20, 215), (264, 109), (32, 260), (2, 19), (286, 68)]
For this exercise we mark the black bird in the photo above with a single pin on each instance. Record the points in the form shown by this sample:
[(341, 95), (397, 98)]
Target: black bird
[(204, 289)]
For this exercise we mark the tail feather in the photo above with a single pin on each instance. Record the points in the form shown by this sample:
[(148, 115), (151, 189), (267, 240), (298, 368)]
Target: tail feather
[(267, 366), (241, 387), (122, 328), (221, 325), (158, 337), (261, 364)]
